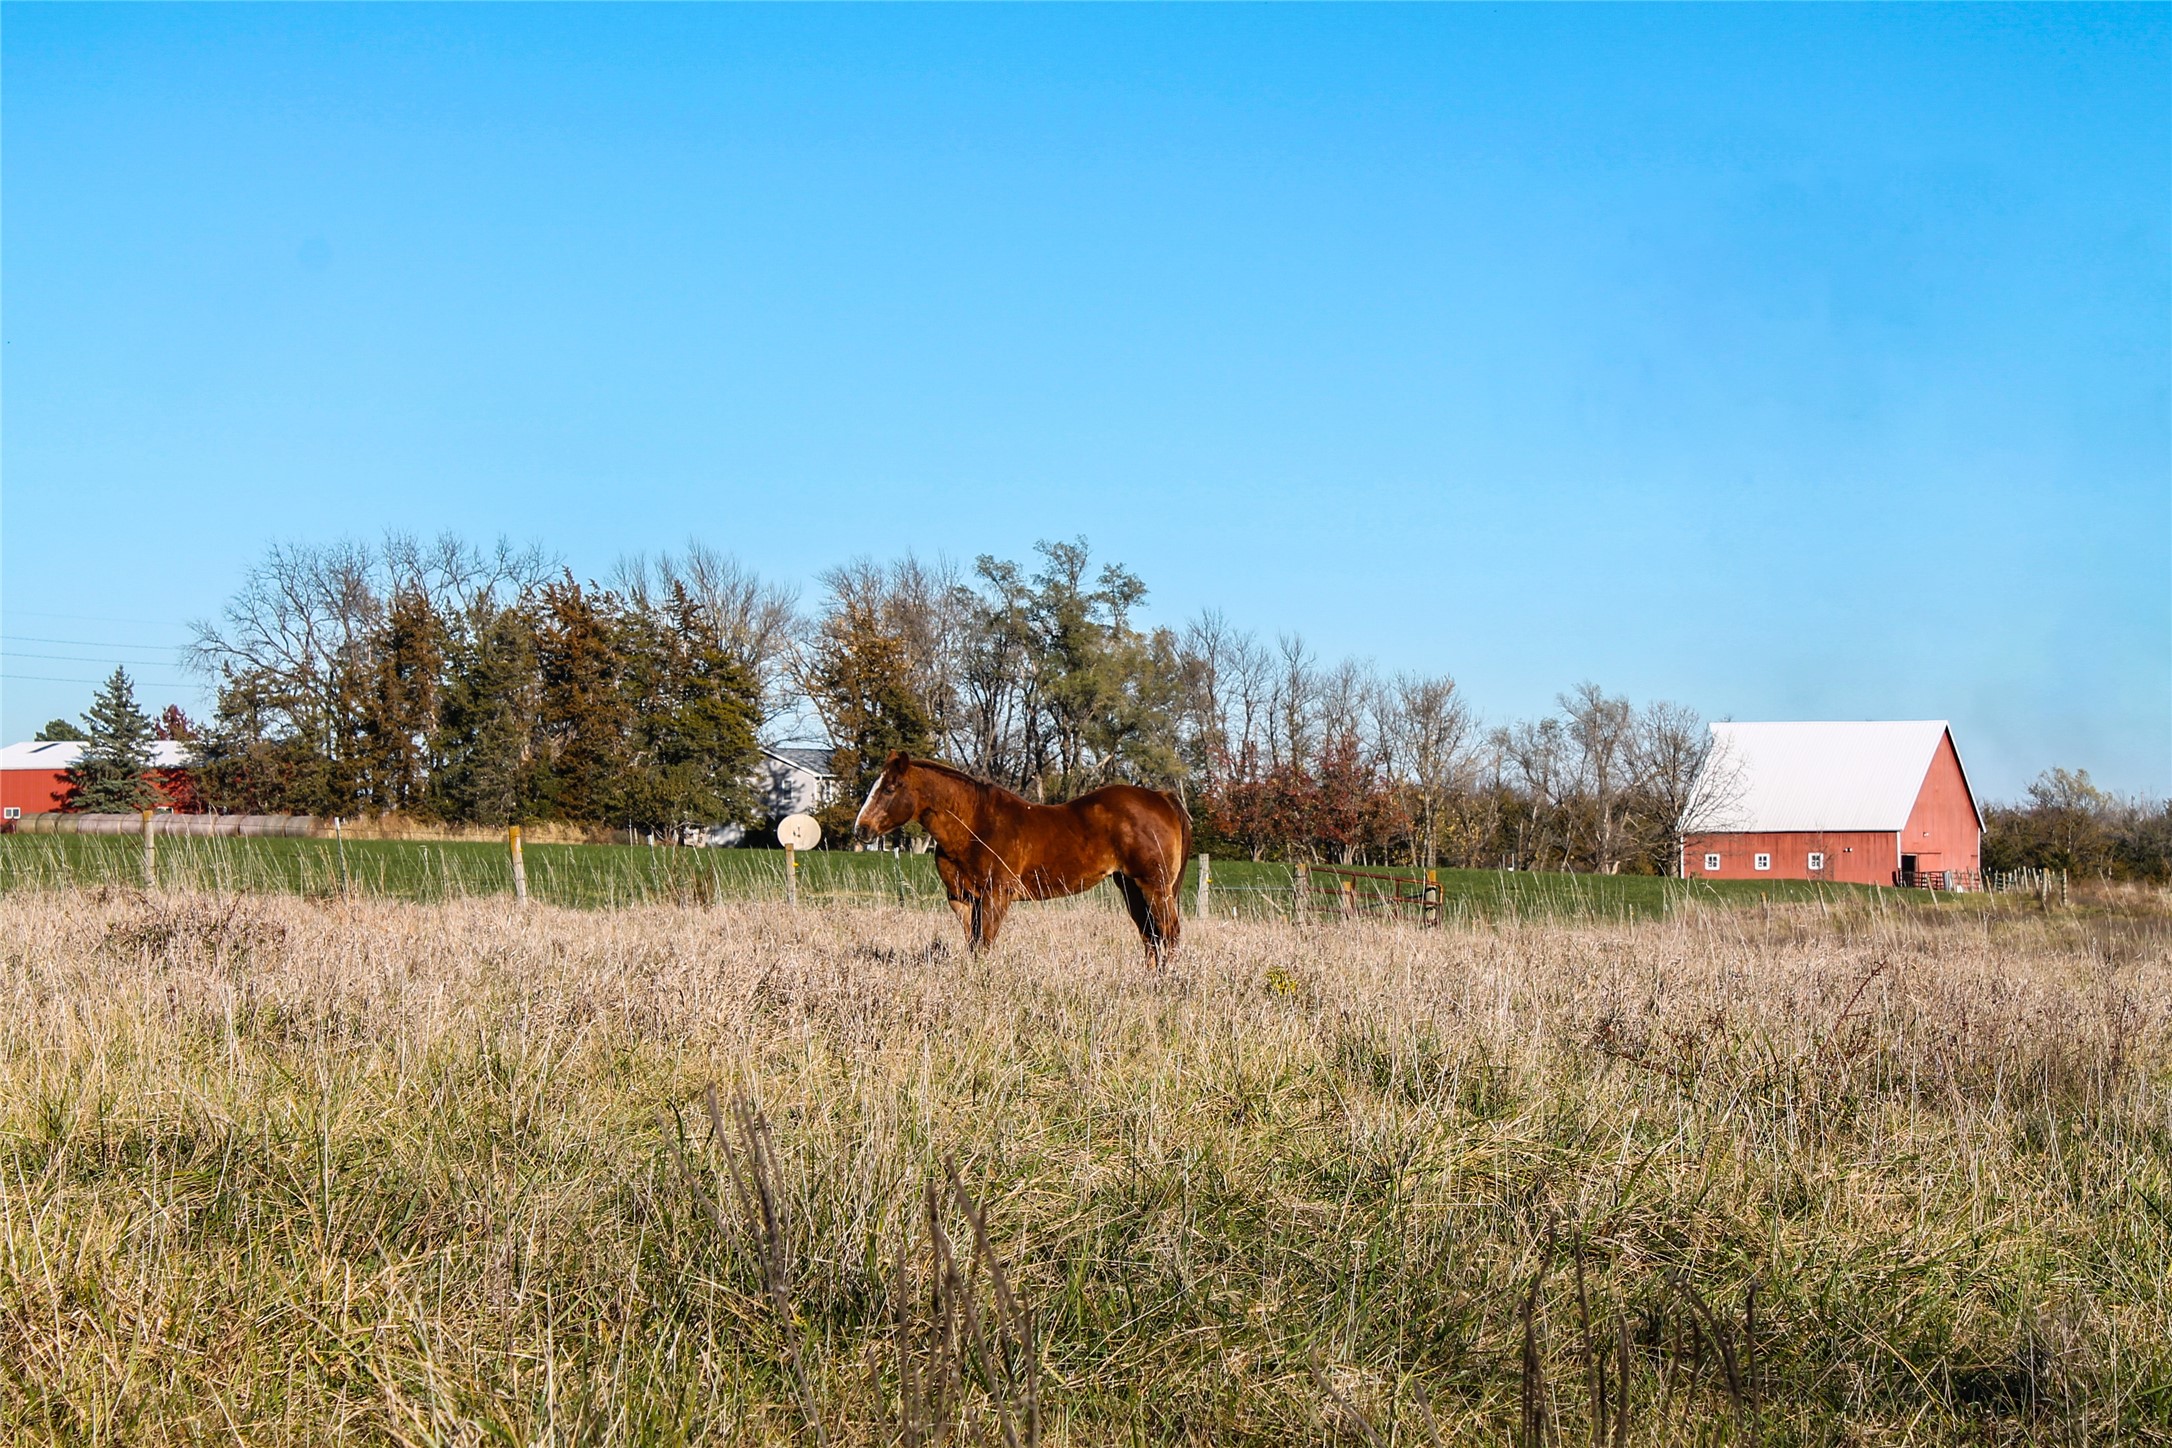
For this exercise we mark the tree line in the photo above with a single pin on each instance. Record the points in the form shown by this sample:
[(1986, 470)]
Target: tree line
[(465, 685), (452, 683), (1043, 678), (2065, 822)]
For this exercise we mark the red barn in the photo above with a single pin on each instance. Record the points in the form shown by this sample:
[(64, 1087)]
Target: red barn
[(1870, 803), (34, 776)]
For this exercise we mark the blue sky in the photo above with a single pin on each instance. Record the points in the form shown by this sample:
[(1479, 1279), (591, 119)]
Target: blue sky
[(1790, 362)]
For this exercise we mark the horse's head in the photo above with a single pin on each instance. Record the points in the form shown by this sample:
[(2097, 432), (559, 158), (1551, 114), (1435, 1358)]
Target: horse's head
[(890, 802)]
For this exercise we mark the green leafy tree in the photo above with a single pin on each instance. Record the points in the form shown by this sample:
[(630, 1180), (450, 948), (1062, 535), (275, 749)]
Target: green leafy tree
[(249, 759), (243, 766), (108, 778), (861, 679), (1059, 691)]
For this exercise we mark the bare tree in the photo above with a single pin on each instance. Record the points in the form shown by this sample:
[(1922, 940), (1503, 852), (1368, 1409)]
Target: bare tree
[(1668, 747), (1293, 704), (927, 609), (1248, 696), (1532, 759), (1718, 784), (1428, 730), (1210, 648), (1601, 729), (298, 629), (752, 622), (1349, 696), (998, 696)]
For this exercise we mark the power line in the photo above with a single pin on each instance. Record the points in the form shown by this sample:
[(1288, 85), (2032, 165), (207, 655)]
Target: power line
[(90, 643), (75, 658), (56, 679), (88, 617)]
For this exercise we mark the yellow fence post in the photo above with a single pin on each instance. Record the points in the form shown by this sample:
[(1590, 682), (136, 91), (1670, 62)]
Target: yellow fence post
[(520, 868)]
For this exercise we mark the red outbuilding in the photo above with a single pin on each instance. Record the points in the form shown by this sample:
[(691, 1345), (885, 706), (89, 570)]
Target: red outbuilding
[(34, 776), (1881, 802)]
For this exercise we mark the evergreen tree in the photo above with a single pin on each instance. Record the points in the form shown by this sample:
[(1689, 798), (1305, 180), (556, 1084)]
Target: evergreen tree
[(247, 761), (400, 702), (487, 726), (695, 711), (108, 778), (581, 647), (59, 730)]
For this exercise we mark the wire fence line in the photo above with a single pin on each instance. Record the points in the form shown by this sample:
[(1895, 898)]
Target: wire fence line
[(619, 876)]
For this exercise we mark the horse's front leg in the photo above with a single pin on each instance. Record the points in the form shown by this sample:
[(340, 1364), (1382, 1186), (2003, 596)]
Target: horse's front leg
[(989, 908), (963, 904)]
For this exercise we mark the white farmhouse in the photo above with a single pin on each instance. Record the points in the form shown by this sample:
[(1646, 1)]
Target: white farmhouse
[(788, 779)]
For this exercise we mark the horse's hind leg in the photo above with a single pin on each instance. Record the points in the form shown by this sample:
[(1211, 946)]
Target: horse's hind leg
[(1168, 922), (988, 913), (1152, 923)]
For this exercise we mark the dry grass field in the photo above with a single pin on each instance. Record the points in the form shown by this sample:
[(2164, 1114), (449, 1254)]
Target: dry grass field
[(282, 1170)]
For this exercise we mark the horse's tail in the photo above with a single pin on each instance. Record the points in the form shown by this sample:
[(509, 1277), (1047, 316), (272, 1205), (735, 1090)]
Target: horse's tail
[(1184, 823)]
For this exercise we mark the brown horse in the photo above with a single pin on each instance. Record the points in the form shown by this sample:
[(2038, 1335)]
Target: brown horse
[(993, 848)]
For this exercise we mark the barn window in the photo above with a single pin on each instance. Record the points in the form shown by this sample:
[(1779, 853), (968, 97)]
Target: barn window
[(1817, 859), (1711, 862), (14, 812), (1764, 862)]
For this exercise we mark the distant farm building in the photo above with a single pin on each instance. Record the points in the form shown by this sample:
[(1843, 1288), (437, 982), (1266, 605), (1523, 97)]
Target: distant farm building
[(34, 776), (1866, 803), (793, 780), (788, 780)]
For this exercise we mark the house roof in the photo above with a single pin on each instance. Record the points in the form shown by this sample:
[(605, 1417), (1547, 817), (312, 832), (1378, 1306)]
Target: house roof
[(807, 761), (1837, 775), (58, 754)]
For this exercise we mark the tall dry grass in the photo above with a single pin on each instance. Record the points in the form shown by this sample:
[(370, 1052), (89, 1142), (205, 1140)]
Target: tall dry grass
[(291, 1171)]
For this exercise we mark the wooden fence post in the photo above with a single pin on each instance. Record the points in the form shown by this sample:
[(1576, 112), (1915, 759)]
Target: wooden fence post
[(150, 849), (1206, 883), (339, 841), (520, 868), (1432, 897), (791, 876), (1349, 898), (1302, 879)]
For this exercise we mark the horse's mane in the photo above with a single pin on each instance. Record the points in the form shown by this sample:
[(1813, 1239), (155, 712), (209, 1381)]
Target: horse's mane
[(936, 766)]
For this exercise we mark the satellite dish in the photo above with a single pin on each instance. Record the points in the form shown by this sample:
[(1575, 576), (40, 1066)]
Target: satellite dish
[(798, 832)]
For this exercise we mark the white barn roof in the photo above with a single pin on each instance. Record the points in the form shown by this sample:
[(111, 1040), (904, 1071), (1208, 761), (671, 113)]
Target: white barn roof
[(62, 754), (1847, 775)]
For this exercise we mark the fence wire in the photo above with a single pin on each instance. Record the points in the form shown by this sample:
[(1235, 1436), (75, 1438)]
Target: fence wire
[(613, 876)]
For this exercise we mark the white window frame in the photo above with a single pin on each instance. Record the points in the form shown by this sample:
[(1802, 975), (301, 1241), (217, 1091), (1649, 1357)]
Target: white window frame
[(13, 812), (1711, 861), (1761, 862), (1817, 859)]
